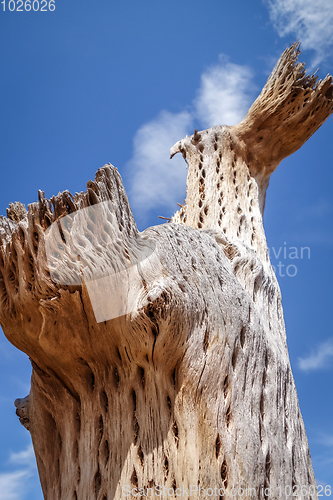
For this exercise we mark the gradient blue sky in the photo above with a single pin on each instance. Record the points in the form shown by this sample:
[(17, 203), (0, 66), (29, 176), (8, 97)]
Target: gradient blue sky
[(120, 82)]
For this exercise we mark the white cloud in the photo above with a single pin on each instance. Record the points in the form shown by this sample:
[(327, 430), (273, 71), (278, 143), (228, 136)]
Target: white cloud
[(156, 182), (225, 94), (321, 358), (310, 21), (24, 457), (15, 485)]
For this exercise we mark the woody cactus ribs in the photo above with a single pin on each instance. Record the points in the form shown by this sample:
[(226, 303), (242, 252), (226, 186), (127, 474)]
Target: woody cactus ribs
[(190, 386)]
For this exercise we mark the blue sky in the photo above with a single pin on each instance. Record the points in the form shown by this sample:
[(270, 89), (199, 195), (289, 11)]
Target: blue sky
[(121, 82)]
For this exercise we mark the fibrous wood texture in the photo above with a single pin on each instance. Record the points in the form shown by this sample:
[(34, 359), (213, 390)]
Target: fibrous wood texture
[(190, 388)]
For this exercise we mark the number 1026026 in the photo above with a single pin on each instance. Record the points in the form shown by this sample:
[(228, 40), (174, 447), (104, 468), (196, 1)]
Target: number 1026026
[(27, 5)]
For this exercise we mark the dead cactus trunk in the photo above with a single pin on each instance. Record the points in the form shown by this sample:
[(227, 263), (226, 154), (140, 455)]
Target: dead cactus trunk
[(160, 358)]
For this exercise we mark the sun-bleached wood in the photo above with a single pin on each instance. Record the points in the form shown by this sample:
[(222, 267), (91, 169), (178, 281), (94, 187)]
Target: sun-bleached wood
[(193, 388)]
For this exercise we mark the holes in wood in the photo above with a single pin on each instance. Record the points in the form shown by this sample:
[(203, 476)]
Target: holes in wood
[(268, 467), (200, 203), (226, 386), (97, 482), (173, 377), (242, 336), (151, 313), (169, 404), (228, 416), (175, 432), (166, 466), (224, 474), (118, 354), (141, 373), (104, 401), (136, 426), (134, 478), (217, 446), (106, 451), (100, 429), (140, 455), (206, 211), (116, 377), (234, 357), (262, 409), (206, 340), (133, 394)]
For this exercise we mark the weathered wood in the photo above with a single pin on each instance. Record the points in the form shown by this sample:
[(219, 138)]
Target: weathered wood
[(192, 387)]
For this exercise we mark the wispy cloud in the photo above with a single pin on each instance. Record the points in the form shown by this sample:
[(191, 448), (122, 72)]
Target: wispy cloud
[(307, 20), (157, 182), (25, 457), (225, 94), (15, 485), (321, 358)]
